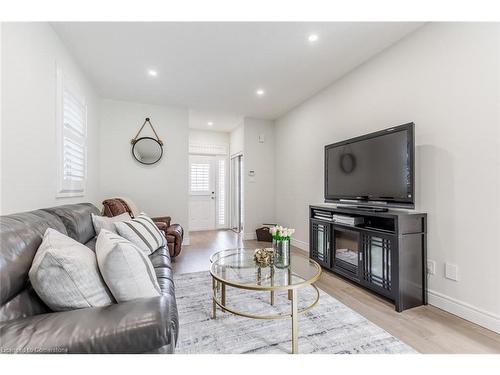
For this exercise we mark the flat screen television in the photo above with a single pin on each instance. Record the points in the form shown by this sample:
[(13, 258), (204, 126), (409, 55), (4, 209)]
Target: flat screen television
[(376, 169)]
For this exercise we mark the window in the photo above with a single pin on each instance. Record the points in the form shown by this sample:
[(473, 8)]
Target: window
[(221, 194), (200, 177), (71, 138)]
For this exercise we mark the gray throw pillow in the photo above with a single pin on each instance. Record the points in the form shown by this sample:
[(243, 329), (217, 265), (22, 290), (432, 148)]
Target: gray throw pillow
[(65, 275), (143, 232), (127, 270)]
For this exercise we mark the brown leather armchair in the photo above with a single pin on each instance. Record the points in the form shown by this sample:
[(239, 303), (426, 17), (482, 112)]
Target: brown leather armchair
[(173, 232)]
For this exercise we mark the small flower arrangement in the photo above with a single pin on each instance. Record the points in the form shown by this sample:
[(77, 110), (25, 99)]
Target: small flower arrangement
[(264, 257), (281, 234)]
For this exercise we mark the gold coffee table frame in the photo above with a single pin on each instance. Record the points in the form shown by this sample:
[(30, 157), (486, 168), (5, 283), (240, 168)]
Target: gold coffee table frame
[(218, 282)]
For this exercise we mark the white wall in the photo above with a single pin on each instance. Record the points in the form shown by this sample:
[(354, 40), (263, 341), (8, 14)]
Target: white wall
[(159, 189), (258, 191), (30, 52), (445, 78), (208, 137), (236, 140)]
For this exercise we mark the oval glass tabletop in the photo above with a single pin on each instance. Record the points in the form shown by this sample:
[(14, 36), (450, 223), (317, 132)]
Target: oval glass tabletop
[(226, 252), (237, 267)]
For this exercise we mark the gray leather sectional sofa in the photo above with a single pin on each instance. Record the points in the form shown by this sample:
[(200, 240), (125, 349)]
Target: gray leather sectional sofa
[(27, 325)]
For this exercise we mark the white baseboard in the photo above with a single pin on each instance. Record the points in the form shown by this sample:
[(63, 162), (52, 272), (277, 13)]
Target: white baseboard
[(186, 240), (249, 236), (464, 310), (302, 245)]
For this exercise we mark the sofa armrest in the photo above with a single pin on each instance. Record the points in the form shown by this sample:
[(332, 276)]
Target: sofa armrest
[(138, 326), (162, 219)]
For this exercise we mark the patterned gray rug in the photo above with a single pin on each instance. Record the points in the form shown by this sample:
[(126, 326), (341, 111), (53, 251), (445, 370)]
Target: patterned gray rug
[(330, 327)]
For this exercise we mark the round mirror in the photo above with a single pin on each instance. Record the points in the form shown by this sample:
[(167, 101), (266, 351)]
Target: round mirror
[(147, 150)]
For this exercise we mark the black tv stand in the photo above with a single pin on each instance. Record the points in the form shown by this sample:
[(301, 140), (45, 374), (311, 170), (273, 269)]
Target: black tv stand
[(370, 209), (384, 251)]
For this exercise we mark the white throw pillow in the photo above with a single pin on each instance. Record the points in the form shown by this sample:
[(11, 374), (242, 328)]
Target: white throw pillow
[(104, 222), (127, 270), (65, 275), (143, 232)]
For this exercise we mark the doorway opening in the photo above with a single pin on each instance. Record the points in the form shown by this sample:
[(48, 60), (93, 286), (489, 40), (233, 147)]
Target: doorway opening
[(237, 193)]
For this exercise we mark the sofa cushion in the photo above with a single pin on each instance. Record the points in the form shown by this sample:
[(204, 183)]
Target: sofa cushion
[(65, 274), (77, 220), (143, 232), (24, 304), (161, 258), (126, 269), (142, 325), (163, 269), (104, 222), (20, 236), (91, 244)]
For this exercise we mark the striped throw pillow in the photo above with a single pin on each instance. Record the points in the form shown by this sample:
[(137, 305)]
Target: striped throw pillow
[(143, 232)]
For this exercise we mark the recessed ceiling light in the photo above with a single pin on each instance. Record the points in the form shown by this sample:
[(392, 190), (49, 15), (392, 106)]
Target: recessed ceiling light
[(152, 73), (313, 38), (260, 92), (210, 123)]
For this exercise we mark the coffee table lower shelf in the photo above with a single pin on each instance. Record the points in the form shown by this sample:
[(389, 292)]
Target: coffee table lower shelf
[(292, 296)]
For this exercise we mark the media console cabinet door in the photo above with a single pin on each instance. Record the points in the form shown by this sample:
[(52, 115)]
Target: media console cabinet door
[(377, 263), (320, 242)]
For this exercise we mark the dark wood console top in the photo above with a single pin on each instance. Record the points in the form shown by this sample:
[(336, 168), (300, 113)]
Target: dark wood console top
[(354, 210)]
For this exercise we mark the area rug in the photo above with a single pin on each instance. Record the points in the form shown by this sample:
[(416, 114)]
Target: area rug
[(330, 327)]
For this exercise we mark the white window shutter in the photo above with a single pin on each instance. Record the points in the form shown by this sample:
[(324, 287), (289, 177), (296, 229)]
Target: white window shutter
[(200, 177), (72, 139), (221, 194)]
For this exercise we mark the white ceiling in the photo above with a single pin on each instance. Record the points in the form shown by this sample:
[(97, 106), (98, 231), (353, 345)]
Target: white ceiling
[(224, 122), (216, 67)]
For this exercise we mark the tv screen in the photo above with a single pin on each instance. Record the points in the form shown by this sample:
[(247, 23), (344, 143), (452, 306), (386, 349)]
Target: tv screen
[(374, 169)]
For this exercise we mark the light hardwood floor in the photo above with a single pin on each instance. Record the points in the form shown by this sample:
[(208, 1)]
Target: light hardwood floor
[(426, 328)]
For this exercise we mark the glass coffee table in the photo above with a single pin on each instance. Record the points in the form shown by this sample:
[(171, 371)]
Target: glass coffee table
[(237, 268)]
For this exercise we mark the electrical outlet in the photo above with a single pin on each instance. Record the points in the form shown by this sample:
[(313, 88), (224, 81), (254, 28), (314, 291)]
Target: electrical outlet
[(431, 267), (451, 271)]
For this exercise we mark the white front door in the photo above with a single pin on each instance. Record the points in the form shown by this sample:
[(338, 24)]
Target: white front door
[(202, 192)]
